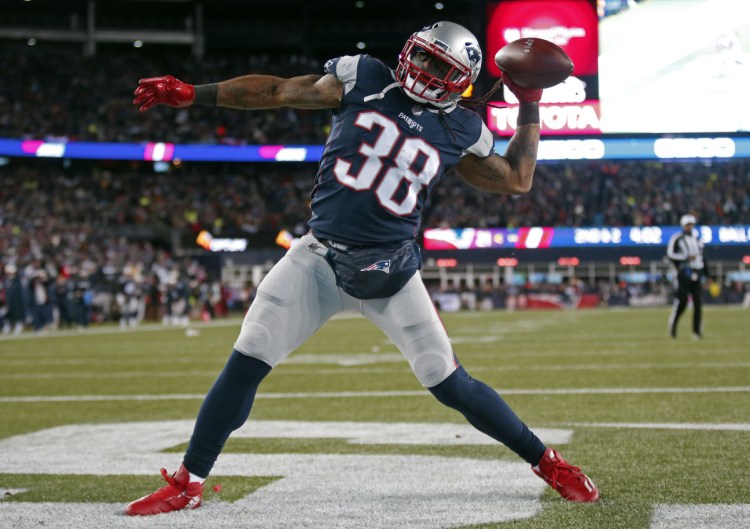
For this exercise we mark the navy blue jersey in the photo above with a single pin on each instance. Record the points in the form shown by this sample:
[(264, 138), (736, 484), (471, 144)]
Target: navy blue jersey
[(384, 154)]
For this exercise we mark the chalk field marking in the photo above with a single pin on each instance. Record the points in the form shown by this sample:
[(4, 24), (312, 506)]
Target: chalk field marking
[(735, 427), (374, 394), (727, 516), (147, 327), (521, 326), (315, 491), (346, 360), (355, 361), (5, 492)]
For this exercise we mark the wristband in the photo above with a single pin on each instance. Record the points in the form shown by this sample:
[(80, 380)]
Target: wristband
[(528, 113), (206, 94)]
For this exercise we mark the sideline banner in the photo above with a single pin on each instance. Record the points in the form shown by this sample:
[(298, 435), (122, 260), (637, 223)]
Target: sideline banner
[(581, 237)]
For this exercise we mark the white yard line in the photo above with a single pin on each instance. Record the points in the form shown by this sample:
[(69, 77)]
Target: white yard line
[(146, 327), (347, 364), (736, 427), (681, 516), (369, 394)]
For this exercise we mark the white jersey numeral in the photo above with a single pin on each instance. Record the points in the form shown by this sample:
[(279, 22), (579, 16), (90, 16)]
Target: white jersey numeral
[(403, 168)]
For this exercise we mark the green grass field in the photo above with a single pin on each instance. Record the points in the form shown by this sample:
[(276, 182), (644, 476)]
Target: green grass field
[(661, 425)]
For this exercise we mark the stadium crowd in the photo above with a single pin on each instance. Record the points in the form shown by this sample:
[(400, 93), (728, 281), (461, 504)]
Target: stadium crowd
[(57, 94), (252, 199), (606, 193), (83, 241), (96, 240)]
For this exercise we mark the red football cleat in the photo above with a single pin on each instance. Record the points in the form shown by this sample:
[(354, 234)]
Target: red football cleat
[(567, 480), (179, 494)]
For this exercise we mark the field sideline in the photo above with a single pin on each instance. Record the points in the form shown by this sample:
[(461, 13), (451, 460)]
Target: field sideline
[(342, 434)]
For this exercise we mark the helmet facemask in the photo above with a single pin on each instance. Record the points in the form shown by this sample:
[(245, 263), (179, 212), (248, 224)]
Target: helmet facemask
[(430, 72)]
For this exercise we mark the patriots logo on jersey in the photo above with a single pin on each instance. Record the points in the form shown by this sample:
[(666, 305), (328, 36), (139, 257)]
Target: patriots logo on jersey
[(384, 265)]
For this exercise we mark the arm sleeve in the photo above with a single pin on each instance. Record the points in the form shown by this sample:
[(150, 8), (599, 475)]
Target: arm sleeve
[(484, 146), (674, 252), (344, 69)]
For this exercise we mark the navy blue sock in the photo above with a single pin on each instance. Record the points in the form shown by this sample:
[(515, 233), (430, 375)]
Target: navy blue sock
[(488, 413), (225, 408)]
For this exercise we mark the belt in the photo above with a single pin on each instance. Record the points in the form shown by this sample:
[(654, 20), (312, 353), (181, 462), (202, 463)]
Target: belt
[(333, 244)]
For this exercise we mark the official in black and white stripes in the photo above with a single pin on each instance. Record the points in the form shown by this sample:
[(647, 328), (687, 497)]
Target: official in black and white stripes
[(685, 250)]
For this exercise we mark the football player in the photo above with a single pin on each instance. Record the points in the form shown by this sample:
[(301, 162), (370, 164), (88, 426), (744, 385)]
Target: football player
[(394, 135)]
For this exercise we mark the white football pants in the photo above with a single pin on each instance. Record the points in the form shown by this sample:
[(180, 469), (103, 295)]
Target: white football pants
[(299, 295)]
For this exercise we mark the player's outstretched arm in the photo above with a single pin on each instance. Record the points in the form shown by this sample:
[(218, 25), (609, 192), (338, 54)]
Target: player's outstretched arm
[(513, 172), (246, 92), (263, 91)]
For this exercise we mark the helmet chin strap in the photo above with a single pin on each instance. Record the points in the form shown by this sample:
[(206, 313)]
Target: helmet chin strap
[(381, 95), (446, 105)]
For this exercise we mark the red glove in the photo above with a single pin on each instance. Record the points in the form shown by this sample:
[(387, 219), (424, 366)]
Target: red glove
[(163, 91), (524, 95)]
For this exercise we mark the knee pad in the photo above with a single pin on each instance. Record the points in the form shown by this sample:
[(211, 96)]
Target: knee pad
[(255, 341), (431, 358)]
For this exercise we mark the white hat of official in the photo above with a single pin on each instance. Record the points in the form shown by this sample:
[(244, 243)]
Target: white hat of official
[(687, 219)]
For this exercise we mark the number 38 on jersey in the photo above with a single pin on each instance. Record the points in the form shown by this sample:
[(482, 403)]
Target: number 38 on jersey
[(398, 157)]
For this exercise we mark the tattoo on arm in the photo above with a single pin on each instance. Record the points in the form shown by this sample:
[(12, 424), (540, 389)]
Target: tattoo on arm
[(250, 92), (265, 91), (511, 173), (522, 148), (484, 174)]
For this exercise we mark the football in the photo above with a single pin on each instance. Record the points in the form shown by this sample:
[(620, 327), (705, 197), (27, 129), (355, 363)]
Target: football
[(534, 63)]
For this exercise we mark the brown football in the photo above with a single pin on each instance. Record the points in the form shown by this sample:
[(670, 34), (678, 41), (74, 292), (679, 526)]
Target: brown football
[(534, 63)]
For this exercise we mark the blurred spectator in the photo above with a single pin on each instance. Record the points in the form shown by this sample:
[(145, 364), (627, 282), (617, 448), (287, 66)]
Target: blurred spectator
[(83, 296), (55, 93), (64, 302), (16, 301), (603, 193), (42, 296)]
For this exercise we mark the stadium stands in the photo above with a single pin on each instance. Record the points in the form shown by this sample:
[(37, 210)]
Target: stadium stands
[(605, 193), (55, 93), (100, 234)]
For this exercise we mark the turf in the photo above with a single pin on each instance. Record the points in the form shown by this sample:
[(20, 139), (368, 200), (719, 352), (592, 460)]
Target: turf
[(611, 376)]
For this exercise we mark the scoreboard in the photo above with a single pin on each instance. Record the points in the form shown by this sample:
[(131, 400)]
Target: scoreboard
[(579, 237), (641, 67)]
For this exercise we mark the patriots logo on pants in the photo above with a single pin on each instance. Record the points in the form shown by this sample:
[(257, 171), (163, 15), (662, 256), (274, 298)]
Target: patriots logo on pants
[(384, 265)]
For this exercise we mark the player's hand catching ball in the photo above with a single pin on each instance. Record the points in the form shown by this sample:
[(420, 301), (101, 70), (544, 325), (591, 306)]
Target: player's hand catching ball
[(165, 90), (524, 95)]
